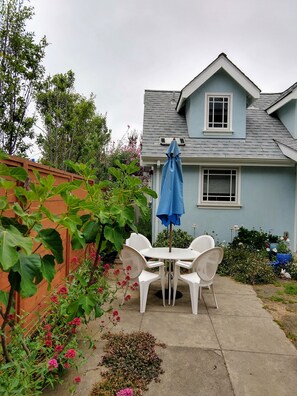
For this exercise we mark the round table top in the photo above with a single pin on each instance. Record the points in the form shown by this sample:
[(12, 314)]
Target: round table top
[(175, 254)]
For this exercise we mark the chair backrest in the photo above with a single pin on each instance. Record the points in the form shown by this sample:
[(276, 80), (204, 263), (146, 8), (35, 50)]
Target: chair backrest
[(138, 241), (202, 243), (206, 264), (133, 261)]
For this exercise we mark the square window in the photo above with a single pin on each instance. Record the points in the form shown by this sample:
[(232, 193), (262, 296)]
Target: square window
[(220, 186)]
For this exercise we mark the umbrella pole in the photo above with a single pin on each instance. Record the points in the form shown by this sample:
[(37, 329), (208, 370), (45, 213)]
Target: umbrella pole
[(170, 237)]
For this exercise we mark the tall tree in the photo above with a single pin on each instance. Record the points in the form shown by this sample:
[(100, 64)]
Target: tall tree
[(20, 72), (73, 129)]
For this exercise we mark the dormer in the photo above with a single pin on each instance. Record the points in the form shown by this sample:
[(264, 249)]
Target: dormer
[(215, 101), (285, 107)]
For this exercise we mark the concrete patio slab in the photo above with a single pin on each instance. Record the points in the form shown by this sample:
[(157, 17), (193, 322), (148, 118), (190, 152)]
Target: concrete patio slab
[(259, 374), (237, 350), (251, 334)]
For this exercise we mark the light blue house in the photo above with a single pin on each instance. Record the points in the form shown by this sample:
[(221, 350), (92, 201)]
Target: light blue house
[(238, 149)]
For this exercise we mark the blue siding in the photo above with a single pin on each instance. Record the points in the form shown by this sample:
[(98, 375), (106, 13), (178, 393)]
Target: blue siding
[(221, 82), (267, 199), (288, 116)]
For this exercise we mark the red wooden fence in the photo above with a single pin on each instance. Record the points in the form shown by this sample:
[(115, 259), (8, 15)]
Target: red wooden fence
[(57, 206)]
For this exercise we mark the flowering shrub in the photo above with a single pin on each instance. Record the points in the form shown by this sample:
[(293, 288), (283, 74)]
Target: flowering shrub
[(54, 346)]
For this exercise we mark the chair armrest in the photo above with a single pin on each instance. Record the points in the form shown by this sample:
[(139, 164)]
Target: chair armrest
[(184, 264), (154, 264)]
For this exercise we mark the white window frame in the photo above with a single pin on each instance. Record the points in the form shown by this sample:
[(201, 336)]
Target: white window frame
[(207, 128), (220, 203)]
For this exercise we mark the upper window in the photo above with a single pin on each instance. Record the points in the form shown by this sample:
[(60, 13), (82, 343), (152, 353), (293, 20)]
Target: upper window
[(218, 110), (220, 186)]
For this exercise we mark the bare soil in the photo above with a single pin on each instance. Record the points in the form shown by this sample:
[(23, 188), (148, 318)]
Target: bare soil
[(281, 305)]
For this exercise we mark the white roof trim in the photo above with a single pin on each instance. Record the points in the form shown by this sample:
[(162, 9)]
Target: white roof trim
[(288, 151), (222, 62), (291, 96)]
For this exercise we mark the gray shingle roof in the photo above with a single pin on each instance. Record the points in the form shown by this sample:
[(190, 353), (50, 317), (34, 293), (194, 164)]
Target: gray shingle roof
[(162, 120)]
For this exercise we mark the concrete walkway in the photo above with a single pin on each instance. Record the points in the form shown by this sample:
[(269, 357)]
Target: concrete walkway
[(235, 350)]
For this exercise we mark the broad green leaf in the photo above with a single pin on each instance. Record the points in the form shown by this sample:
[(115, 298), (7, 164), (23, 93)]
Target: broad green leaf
[(19, 173), (116, 173), (87, 303), (3, 203), (115, 236), (4, 297), (10, 240), (15, 280), (48, 267), (98, 311), (73, 308), (77, 241), (51, 239), (28, 268), (90, 231), (6, 184), (150, 192)]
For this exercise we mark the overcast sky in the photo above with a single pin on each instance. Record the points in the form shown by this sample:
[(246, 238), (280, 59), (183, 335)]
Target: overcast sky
[(119, 48)]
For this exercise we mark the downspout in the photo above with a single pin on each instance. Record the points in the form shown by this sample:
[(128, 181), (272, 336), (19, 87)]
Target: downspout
[(295, 222), (157, 188)]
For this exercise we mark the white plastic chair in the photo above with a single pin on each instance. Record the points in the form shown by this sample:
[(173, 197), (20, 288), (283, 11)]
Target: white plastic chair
[(135, 265), (202, 243), (138, 241), (205, 267)]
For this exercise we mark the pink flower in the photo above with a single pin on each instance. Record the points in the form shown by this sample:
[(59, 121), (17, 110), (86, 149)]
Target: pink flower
[(116, 271), (59, 348), (75, 322), (100, 290), (128, 268), (127, 297), (62, 290), (70, 354), (66, 365), (76, 380), (55, 299), (125, 392), (74, 260), (47, 327), (48, 343), (115, 313), (52, 364), (106, 267)]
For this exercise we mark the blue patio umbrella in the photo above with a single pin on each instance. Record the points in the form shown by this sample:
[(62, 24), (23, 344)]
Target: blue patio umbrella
[(171, 204)]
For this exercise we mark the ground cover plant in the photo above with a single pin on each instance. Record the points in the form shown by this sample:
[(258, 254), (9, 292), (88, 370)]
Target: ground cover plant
[(131, 362)]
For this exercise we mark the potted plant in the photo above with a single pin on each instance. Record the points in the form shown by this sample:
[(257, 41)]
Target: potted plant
[(283, 254)]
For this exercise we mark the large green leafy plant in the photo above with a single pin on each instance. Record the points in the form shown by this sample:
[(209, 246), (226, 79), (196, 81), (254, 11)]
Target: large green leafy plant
[(103, 217)]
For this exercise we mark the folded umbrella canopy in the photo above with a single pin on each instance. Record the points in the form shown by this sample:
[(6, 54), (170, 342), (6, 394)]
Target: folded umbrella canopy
[(171, 204)]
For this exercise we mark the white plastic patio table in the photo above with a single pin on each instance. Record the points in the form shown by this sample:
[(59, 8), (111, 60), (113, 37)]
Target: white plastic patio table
[(162, 253)]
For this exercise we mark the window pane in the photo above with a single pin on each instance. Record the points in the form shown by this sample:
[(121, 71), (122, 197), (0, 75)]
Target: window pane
[(218, 112), (219, 185)]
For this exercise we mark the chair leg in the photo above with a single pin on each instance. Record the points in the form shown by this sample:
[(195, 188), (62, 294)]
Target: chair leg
[(143, 289), (214, 296), (194, 292), (174, 288), (125, 292)]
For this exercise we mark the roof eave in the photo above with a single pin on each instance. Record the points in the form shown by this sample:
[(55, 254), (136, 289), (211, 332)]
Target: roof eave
[(276, 106), (232, 161), (222, 62)]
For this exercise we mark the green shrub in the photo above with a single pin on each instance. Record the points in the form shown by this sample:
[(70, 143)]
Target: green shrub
[(180, 239), (246, 266), (251, 239), (291, 268)]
